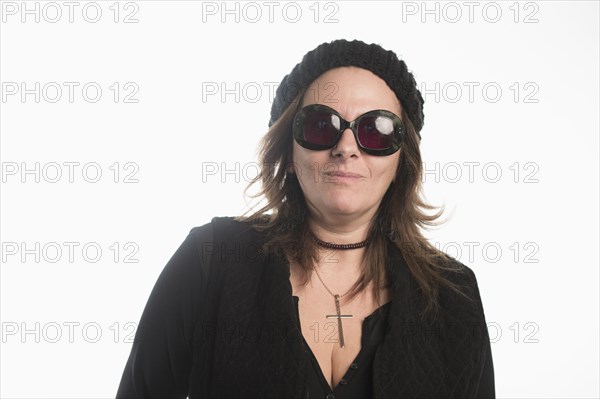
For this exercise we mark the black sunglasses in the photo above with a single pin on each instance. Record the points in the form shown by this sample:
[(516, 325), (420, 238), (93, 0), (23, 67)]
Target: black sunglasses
[(319, 127)]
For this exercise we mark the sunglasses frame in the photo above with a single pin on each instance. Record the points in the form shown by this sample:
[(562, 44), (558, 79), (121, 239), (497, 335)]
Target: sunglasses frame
[(300, 117)]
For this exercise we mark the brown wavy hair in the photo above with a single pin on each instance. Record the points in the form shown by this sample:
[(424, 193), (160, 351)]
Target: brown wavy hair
[(400, 215)]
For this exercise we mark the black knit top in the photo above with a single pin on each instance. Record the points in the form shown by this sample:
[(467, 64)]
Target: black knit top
[(198, 335)]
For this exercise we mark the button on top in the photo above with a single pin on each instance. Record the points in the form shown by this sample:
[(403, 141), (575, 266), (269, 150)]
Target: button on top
[(354, 366), (330, 396), (343, 382)]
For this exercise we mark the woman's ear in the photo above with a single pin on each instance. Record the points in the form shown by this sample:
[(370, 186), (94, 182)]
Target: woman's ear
[(290, 169)]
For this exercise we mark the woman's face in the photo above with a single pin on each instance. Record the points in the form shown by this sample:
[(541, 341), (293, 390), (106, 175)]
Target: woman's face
[(344, 181)]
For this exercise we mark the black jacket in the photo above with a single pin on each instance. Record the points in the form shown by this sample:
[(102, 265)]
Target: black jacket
[(221, 323)]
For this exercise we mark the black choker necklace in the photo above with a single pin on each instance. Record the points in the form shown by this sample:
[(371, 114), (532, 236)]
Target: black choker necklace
[(330, 245)]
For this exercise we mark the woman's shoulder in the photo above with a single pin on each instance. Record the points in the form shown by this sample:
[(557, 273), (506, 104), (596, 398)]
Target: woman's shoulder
[(229, 225), (465, 279), (226, 229), (459, 272)]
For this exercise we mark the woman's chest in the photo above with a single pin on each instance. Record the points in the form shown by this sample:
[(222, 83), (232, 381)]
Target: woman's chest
[(325, 324), (324, 335)]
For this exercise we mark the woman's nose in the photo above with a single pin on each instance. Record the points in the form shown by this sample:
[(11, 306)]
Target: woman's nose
[(347, 145)]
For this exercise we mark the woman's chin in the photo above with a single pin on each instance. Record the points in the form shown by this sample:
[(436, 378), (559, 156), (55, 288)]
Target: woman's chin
[(344, 209)]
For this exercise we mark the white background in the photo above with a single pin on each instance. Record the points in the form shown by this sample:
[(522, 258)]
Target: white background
[(540, 292)]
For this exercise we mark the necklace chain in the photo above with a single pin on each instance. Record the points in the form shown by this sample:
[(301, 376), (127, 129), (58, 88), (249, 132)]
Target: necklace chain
[(330, 245), (337, 297), (328, 290)]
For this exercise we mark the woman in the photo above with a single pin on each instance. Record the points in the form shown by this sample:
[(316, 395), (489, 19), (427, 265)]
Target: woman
[(236, 313)]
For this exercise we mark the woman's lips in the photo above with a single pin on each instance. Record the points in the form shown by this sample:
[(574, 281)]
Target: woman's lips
[(342, 177)]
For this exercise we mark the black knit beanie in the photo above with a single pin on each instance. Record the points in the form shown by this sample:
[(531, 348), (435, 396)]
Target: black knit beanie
[(338, 53)]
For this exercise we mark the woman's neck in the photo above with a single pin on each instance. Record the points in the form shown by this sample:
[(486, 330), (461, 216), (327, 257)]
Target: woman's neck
[(334, 260), (339, 231)]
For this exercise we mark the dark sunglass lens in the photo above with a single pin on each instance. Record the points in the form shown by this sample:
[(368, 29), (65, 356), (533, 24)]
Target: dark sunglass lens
[(321, 128), (376, 132)]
